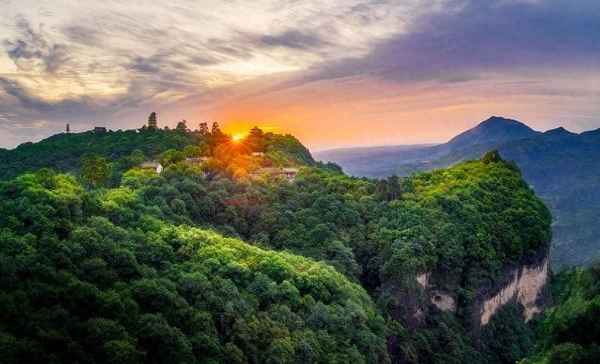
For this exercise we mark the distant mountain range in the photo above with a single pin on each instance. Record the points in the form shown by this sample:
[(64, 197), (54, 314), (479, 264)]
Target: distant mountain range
[(563, 168)]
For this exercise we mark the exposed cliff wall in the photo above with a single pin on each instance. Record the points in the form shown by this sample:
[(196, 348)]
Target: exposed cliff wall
[(526, 288), (524, 284)]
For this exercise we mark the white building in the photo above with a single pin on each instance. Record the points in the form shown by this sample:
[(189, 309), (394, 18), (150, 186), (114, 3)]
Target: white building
[(152, 165), (288, 173)]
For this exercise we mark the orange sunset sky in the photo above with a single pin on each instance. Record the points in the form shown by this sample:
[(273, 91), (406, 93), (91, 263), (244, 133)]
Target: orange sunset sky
[(334, 74)]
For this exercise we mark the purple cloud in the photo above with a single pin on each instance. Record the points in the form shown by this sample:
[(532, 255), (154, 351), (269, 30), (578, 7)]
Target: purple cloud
[(466, 38)]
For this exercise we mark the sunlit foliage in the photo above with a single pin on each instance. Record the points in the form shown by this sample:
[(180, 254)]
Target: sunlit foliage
[(86, 277)]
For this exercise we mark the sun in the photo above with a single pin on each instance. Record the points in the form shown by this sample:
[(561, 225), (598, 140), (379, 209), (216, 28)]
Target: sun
[(237, 137)]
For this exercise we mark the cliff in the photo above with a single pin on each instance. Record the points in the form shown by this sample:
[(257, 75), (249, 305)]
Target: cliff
[(524, 284), (526, 287), (480, 252)]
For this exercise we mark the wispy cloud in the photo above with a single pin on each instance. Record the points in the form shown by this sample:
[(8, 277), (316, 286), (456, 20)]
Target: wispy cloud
[(294, 39), (32, 51), (112, 61)]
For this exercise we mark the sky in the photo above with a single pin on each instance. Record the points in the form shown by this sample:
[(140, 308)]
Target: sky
[(334, 73)]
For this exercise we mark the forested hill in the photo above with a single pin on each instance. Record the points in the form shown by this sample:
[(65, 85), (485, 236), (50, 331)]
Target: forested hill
[(224, 261), (65, 152), (561, 166), (102, 277)]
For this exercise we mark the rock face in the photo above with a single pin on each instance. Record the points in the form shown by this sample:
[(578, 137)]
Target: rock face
[(418, 301), (524, 285), (526, 288)]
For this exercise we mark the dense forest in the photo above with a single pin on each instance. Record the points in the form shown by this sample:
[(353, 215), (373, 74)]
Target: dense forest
[(87, 277), (212, 261), (561, 166)]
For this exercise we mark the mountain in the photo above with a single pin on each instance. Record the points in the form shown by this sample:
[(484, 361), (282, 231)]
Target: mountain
[(214, 262), (560, 165), (493, 131), (407, 159), (373, 161)]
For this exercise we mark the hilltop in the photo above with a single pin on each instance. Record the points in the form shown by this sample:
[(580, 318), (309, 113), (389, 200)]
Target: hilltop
[(560, 165), (204, 261), (124, 148)]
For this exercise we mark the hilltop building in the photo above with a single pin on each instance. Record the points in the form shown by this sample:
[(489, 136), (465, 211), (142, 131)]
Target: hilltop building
[(288, 173), (152, 121), (99, 129), (152, 165), (197, 160)]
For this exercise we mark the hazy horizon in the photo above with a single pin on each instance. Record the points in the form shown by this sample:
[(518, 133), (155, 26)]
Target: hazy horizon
[(340, 74), (329, 148)]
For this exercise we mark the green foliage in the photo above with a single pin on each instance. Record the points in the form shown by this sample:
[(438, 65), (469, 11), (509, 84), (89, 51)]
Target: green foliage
[(95, 170), (569, 333), (284, 147), (91, 277), (63, 152), (478, 216), (127, 149), (255, 140), (466, 223), (507, 338), (561, 166), (491, 157), (172, 156), (182, 126), (161, 263)]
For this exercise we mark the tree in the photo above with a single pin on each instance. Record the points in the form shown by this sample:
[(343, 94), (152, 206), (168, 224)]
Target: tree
[(182, 126), (388, 189), (171, 156), (491, 157), (95, 170), (255, 140), (191, 151), (381, 190), (135, 158), (152, 121), (394, 189), (204, 129), (217, 136), (216, 130)]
